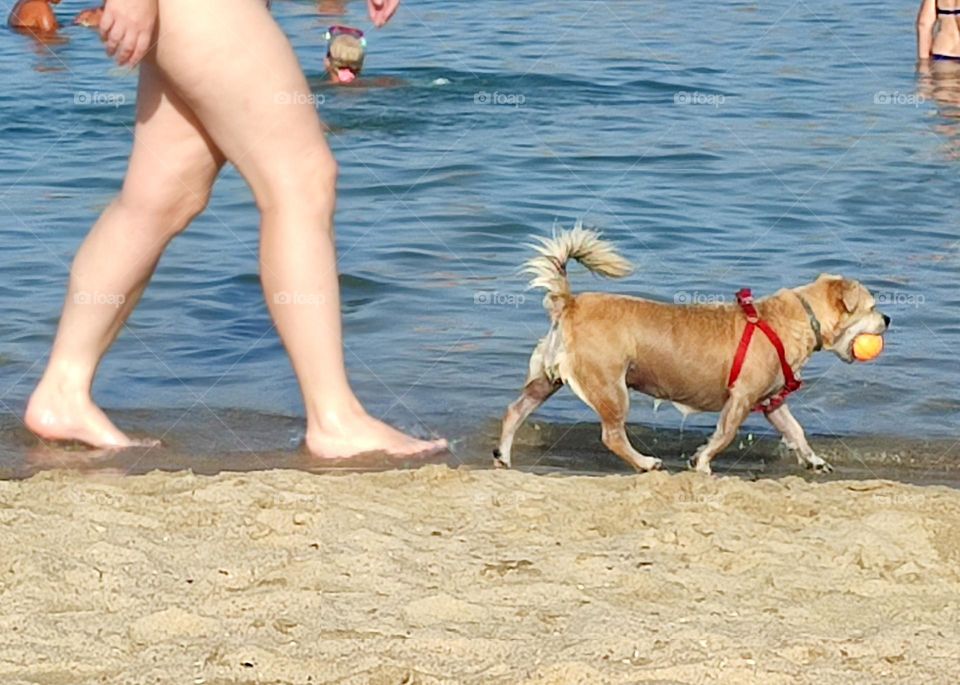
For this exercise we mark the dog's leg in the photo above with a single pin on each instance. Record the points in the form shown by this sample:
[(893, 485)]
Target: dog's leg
[(793, 436), (611, 400), (734, 413), (535, 392)]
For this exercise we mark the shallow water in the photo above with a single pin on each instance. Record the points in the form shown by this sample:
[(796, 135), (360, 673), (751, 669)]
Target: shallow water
[(773, 142)]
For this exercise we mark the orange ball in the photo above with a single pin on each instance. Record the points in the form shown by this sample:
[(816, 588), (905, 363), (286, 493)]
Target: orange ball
[(867, 347)]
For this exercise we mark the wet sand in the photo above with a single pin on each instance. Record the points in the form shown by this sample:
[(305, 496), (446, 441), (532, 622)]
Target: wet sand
[(244, 440), (443, 575)]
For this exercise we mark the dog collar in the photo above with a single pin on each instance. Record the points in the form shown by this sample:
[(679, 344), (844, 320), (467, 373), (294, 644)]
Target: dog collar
[(814, 322)]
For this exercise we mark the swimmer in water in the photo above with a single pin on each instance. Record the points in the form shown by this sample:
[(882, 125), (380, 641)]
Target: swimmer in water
[(89, 17), (938, 30), (35, 16), (346, 48)]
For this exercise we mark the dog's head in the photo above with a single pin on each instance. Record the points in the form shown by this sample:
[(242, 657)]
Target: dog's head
[(846, 309)]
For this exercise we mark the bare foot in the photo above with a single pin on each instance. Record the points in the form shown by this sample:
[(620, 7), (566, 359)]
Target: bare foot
[(359, 434), (56, 415)]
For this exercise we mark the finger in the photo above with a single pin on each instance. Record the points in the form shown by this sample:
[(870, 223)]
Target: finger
[(143, 45), (392, 6), (106, 23), (114, 39), (112, 43), (374, 8), (382, 10), (126, 48)]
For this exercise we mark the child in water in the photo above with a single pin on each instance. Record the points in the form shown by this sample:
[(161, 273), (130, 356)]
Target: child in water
[(346, 49), (938, 30)]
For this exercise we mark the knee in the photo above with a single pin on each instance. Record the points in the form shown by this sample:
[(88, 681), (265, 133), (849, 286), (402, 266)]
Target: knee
[(164, 206), (306, 184)]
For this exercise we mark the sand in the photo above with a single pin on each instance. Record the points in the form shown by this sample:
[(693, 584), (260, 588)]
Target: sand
[(458, 576)]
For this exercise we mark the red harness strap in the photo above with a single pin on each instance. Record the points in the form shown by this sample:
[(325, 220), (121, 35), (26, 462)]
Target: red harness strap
[(791, 383)]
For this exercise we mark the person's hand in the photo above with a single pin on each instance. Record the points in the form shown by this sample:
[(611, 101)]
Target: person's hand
[(381, 10), (127, 29)]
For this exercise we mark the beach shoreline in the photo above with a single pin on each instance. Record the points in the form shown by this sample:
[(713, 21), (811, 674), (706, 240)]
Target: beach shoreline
[(441, 575), (240, 440)]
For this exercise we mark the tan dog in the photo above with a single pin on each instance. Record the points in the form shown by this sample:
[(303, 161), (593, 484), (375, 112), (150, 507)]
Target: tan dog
[(604, 345)]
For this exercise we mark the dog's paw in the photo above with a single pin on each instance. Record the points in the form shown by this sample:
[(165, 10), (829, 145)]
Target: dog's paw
[(650, 464), (498, 461), (816, 464)]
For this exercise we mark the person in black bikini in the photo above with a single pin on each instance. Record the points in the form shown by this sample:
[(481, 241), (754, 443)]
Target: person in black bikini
[(938, 68), (938, 30)]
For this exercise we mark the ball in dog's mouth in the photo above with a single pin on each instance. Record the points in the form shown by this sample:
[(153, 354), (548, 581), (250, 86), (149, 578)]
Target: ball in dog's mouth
[(867, 346)]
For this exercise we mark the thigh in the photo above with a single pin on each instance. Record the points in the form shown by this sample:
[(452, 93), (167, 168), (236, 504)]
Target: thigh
[(237, 71), (174, 160)]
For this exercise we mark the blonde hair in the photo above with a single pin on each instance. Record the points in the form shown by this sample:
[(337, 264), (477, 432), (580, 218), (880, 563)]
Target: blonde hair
[(346, 51)]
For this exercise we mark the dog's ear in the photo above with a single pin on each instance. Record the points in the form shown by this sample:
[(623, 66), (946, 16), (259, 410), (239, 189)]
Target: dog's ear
[(852, 291), (844, 292)]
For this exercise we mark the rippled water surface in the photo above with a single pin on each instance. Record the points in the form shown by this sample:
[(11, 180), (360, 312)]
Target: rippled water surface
[(758, 147)]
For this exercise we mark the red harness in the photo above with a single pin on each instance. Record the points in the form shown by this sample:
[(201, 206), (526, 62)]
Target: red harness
[(791, 382)]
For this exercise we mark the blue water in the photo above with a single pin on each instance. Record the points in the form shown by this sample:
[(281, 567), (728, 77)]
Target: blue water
[(756, 146)]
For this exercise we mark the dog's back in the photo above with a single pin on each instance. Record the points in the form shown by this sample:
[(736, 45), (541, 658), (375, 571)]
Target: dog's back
[(666, 350)]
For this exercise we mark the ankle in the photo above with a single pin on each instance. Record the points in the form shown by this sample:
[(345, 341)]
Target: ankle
[(340, 418), (66, 380)]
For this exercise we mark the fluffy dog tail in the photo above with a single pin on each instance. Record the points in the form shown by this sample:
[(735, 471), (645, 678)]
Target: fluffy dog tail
[(549, 268)]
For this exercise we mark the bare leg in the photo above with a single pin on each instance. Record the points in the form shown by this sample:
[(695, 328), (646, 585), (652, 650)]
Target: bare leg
[(734, 413), (794, 438), (230, 61), (172, 168), (610, 398)]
